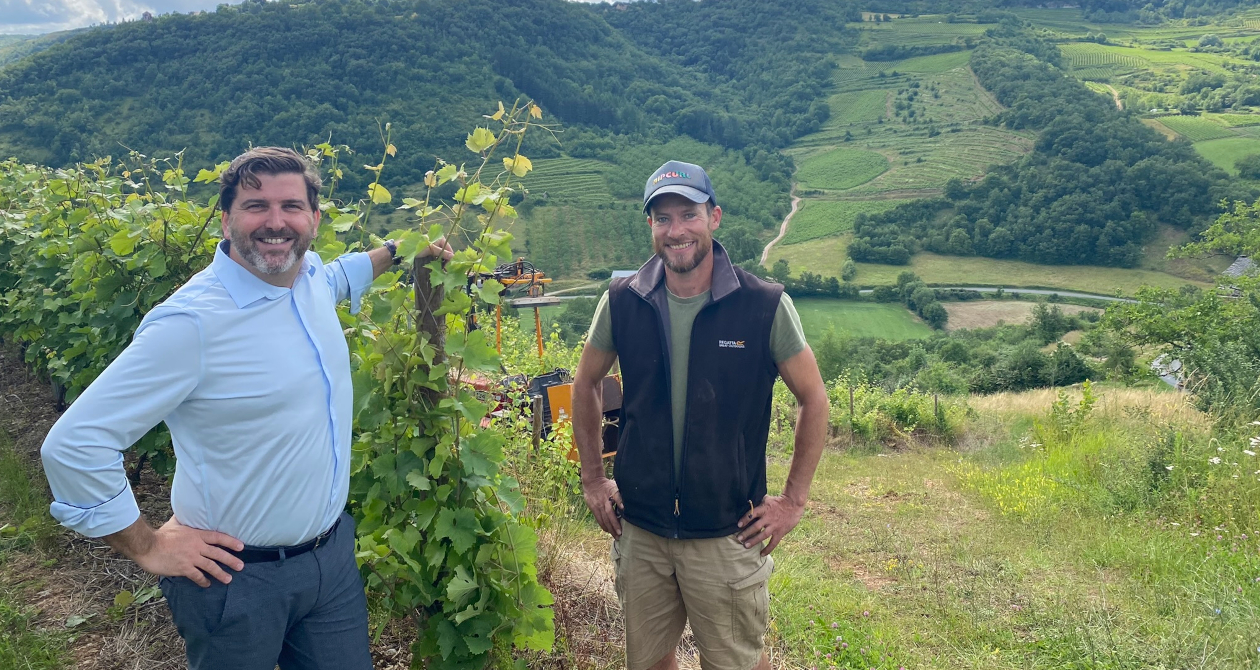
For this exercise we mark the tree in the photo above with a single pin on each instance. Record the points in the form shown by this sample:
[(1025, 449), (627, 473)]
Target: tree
[(849, 270), (935, 315), (1248, 166), (780, 271)]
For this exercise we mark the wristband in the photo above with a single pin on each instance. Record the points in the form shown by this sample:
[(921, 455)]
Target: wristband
[(393, 250)]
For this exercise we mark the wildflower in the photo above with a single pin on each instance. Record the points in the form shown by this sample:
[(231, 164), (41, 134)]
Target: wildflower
[(1220, 448), (834, 625), (1175, 523), (1194, 534), (1249, 452), (1168, 467), (1215, 460), (1235, 476), (844, 645), (866, 613)]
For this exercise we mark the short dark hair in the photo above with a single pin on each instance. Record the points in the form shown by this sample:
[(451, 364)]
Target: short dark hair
[(246, 167)]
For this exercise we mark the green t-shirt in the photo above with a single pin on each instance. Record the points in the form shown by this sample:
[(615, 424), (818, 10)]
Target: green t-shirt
[(786, 340)]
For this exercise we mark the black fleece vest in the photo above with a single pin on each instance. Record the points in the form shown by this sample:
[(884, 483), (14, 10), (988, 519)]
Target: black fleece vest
[(730, 381)]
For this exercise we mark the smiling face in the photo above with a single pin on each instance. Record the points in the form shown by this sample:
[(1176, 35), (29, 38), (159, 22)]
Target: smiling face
[(271, 227), (682, 231)]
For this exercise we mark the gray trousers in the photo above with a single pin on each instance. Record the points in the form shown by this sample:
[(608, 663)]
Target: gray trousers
[(303, 613)]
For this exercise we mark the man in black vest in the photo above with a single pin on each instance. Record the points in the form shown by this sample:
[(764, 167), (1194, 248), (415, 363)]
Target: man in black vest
[(701, 342)]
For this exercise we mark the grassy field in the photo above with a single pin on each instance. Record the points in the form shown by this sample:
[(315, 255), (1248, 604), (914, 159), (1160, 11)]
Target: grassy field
[(859, 319), (840, 169), (1225, 152), (976, 558), (826, 256), (824, 218)]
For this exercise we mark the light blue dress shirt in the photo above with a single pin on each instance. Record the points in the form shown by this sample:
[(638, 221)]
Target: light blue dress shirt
[(253, 381)]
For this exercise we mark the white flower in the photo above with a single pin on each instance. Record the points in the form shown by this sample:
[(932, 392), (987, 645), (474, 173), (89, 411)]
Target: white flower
[(1255, 423), (1215, 460), (1249, 452), (1255, 440), (1168, 467), (1220, 448), (1194, 534), (1175, 523)]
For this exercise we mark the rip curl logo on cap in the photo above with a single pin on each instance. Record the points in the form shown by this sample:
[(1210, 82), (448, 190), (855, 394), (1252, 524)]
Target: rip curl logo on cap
[(730, 344), (671, 175)]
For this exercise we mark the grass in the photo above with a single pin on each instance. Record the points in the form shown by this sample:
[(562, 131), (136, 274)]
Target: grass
[(908, 558), (826, 256), (1196, 128), (859, 319), (840, 169), (824, 218), (856, 106), (1223, 153), (24, 521)]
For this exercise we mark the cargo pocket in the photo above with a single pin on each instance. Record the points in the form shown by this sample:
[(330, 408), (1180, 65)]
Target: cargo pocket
[(750, 606)]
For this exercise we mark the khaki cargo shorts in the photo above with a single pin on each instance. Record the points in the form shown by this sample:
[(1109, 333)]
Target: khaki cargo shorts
[(717, 584)]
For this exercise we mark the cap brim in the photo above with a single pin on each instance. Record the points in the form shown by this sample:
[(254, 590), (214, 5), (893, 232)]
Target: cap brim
[(693, 194)]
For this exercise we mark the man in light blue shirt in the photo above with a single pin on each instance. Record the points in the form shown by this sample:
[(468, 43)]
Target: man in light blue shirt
[(248, 366)]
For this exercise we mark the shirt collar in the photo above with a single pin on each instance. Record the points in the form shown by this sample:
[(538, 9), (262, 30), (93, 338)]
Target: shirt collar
[(652, 275), (242, 285)]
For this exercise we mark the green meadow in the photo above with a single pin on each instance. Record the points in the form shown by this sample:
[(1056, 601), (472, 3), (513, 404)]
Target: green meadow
[(890, 321)]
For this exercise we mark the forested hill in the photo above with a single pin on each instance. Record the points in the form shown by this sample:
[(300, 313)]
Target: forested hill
[(281, 73)]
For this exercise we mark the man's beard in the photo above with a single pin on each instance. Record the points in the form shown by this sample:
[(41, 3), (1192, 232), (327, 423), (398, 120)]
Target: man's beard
[(247, 246), (702, 249)]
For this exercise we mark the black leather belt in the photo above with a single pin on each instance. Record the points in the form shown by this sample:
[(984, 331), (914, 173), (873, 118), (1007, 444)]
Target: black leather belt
[(267, 554)]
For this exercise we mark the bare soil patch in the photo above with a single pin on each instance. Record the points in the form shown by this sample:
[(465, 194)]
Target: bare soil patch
[(989, 313)]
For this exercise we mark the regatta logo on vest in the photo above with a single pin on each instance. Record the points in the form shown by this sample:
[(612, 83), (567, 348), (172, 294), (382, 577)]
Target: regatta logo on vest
[(672, 175), (730, 344)]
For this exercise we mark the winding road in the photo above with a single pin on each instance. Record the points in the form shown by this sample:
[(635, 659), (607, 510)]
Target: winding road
[(796, 203)]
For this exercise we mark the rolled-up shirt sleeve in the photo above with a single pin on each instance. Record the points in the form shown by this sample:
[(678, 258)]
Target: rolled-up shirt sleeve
[(82, 454), (349, 276)]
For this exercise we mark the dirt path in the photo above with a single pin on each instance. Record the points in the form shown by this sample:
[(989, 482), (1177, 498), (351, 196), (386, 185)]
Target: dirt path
[(765, 253), (1115, 95)]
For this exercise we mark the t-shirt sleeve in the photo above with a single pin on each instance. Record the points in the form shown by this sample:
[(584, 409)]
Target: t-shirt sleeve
[(600, 334), (787, 338)]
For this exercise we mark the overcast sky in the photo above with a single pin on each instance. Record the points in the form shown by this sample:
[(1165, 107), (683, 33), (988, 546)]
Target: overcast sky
[(29, 17)]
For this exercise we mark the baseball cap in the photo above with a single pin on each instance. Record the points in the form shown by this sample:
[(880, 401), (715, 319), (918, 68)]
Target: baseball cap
[(685, 179)]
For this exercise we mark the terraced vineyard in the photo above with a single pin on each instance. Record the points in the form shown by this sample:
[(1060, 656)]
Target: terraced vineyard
[(1097, 62), (1196, 128), (569, 180), (924, 30), (826, 218), (1235, 120)]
